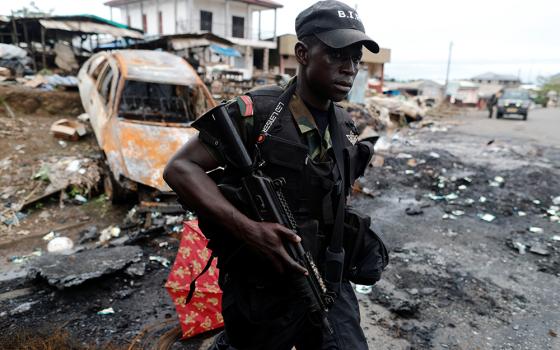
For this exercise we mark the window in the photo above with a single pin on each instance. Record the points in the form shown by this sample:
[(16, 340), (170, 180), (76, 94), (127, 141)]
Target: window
[(206, 21), (97, 66), (160, 23), (238, 27), (145, 23), (104, 86), (155, 102)]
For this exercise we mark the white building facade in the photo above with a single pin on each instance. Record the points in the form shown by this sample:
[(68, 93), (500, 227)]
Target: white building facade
[(230, 19)]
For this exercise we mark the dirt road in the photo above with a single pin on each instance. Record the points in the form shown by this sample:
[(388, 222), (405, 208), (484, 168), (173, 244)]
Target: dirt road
[(542, 126), (456, 281)]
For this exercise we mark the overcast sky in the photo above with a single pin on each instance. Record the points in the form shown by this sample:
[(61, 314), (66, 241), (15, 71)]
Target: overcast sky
[(510, 37)]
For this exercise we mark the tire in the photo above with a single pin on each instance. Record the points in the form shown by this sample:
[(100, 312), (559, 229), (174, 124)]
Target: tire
[(499, 115), (525, 116), (114, 191)]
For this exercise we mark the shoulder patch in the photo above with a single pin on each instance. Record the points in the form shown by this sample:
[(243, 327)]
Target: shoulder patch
[(245, 105)]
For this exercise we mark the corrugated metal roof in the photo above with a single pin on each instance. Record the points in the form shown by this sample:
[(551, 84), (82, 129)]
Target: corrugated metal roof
[(90, 27), (155, 66)]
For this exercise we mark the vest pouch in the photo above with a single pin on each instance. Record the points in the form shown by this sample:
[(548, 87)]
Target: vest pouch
[(283, 152), (367, 255)]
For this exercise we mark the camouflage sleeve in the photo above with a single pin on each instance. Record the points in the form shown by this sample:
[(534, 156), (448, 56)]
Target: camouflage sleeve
[(240, 110)]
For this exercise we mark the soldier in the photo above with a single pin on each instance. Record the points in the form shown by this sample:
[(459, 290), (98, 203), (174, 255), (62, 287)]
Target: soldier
[(260, 308)]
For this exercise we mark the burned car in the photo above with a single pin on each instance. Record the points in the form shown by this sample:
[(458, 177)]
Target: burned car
[(140, 104)]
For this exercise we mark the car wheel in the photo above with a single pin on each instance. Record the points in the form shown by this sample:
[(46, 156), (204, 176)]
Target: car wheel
[(525, 116), (114, 191), (499, 115)]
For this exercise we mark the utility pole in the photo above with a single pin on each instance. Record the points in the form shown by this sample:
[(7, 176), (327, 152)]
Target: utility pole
[(448, 66)]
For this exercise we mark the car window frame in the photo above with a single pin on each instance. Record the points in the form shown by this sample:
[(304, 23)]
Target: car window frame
[(109, 100)]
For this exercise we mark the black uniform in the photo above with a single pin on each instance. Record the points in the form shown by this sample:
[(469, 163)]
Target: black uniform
[(259, 306)]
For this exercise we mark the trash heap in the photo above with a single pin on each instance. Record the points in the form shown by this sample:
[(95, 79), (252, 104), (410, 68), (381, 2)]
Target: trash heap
[(385, 113)]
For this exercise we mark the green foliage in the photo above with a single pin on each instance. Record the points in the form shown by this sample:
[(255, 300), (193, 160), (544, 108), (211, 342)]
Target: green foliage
[(547, 84), (74, 190)]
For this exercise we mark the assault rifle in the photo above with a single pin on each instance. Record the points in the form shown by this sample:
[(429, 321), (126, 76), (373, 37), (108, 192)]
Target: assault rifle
[(267, 203)]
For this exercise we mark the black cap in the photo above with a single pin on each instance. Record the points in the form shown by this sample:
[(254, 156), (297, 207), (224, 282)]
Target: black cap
[(336, 24)]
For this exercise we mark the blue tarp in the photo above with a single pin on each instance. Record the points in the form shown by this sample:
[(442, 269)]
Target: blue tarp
[(225, 51)]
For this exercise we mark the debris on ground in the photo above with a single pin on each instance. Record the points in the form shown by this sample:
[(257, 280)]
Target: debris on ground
[(66, 129), (63, 271)]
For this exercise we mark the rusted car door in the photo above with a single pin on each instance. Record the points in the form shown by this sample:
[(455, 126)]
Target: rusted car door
[(101, 101)]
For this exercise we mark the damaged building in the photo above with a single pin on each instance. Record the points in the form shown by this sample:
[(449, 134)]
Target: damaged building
[(62, 41), (232, 20)]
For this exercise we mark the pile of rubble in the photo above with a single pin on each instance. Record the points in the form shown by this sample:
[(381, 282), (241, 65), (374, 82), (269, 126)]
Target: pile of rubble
[(387, 113)]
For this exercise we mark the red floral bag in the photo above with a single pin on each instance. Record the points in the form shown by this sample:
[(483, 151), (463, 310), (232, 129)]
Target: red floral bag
[(193, 284)]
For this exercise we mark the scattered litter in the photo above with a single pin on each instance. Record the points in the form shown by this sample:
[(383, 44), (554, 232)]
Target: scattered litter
[(60, 245), (68, 129), (469, 201), (23, 308), (108, 233), (19, 259), (520, 247), (462, 187), (521, 213), (409, 172), (163, 244), (173, 220), (451, 196), (497, 182), (164, 261), (556, 238), (556, 200), (536, 201), (458, 212), (486, 217), (363, 289), (80, 198), (536, 229), (404, 156), (73, 166), (49, 236), (552, 333), (449, 216), (434, 155), (62, 144), (107, 311), (482, 199), (412, 163)]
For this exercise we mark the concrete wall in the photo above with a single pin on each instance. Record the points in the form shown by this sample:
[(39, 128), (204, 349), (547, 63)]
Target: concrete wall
[(188, 16)]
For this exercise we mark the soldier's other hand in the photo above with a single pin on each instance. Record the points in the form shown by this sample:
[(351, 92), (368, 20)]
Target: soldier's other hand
[(267, 239)]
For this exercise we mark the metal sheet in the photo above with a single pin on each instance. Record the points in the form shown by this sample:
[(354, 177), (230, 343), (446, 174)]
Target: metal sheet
[(146, 149), (156, 67), (90, 27)]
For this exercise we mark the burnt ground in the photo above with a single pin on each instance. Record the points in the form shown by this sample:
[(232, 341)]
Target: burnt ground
[(454, 281)]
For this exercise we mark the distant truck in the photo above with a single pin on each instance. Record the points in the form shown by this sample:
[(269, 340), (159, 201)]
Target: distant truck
[(140, 104), (513, 101)]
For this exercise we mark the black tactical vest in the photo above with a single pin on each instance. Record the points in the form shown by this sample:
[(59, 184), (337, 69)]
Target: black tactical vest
[(312, 188)]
